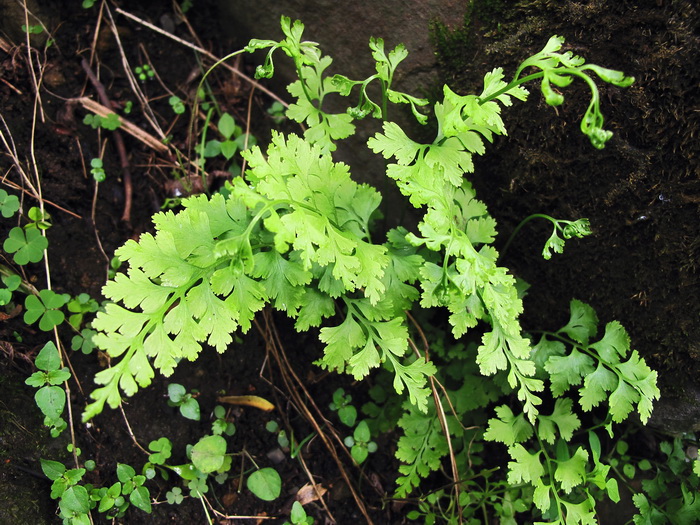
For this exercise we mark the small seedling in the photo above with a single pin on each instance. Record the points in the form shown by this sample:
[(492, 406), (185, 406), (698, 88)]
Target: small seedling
[(198, 487), (144, 72), (97, 170), (288, 442), (277, 112), (220, 424), (114, 265), (162, 450), (132, 485), (39, 218), (185, 6), (110, 122), (234, 139), (177, 104), (360, 442), (87, 4), (274, 428), (79, 306), (35, 29), (347, 413), (298, 516), (50, 398), (175, 496), (73, 450), (189, 407), (83, 341)]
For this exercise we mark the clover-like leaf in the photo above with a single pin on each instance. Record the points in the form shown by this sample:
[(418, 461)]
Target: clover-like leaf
[(26, 245), (9, 204), (162, 450), (45, 309)]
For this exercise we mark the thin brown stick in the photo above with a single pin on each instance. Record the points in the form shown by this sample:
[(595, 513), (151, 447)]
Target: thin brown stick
[(17, 187), (442, 417), (11, 86), (118, 140), (95, 38), (93, 207), (247, 126), (203, 52), (278, 354), (36, 82), (125, 125), (5, 46), (136, 90), (274, 346), (283, 414), (131, 432)]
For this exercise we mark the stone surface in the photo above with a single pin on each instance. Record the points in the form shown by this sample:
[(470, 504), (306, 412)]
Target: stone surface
[(343, 30)]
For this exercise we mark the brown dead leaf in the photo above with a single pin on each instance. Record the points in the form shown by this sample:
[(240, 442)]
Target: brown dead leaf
[(309, 493)]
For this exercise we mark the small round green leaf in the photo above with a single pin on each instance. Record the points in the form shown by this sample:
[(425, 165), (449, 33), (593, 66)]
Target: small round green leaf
[(52, 469), (227, 125), (141, 499), (75, 501), (361, 433), (48, 358), (208, 454), (190, 409), (265, 483), (359, 453), (51, 400)]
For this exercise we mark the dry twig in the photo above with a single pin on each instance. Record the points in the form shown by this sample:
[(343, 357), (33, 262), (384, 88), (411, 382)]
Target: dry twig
[(206, 53), (118, 140), (293, 384)]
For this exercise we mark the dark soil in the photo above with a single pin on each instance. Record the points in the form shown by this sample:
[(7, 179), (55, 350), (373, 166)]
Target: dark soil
[(641, 194)]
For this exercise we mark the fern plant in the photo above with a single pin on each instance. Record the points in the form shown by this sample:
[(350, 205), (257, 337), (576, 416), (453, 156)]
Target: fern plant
[(296, 232)]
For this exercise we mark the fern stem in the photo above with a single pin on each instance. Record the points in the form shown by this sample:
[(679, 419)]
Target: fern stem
[(518, 228), (513, 84)]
